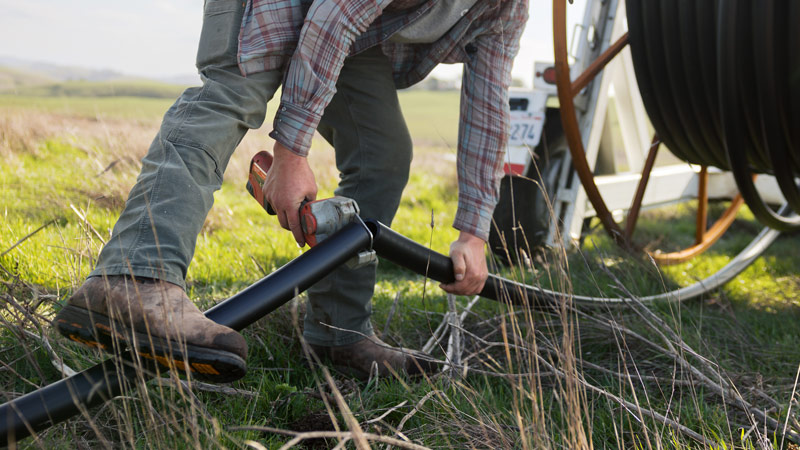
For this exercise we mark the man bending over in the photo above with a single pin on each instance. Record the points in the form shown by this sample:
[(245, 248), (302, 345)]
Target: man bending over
[(340, 63)]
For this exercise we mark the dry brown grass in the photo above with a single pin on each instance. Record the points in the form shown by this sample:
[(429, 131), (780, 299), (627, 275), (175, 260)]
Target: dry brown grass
[(124, 141)]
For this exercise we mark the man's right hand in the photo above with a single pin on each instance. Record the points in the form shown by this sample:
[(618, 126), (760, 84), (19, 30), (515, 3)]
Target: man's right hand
[(289, 182)]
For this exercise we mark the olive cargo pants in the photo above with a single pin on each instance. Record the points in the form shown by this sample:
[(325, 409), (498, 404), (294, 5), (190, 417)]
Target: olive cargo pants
[(156, 233)]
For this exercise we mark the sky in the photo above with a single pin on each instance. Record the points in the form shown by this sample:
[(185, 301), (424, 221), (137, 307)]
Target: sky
[(158, 38)]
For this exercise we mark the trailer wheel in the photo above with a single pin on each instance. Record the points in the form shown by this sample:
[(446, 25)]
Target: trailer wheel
[(522, 217)]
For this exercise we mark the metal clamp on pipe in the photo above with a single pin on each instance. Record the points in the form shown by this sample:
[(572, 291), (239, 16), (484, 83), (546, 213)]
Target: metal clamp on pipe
[(322, 218), (319, 218), (363, 257)]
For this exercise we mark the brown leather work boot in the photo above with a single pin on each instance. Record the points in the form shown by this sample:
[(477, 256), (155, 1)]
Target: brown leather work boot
[(356, 359), (158, 320)]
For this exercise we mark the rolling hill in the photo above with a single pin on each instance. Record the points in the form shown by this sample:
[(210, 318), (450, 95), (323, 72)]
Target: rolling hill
[(33, 79), (117, 88), (11, 78)]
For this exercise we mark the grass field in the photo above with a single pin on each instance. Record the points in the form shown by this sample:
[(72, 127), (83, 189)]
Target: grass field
[(717, 372), (28, 84)]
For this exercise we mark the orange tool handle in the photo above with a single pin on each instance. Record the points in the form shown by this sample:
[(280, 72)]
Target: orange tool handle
[(259, 166)]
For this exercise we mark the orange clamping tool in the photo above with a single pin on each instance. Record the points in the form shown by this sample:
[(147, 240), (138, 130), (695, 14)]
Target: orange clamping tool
[(309, 223), (259, 166)]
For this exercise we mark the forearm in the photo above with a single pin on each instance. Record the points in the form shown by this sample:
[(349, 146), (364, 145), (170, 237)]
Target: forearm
[(483, 132)]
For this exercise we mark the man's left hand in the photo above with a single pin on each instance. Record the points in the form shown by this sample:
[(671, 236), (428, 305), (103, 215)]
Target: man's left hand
[(469, 265)]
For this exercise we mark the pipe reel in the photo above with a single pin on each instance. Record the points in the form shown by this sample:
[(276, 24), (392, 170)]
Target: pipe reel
[(720, 82)]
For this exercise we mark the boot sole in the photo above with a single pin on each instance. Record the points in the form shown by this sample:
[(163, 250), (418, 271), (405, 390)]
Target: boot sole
[(99, 331)]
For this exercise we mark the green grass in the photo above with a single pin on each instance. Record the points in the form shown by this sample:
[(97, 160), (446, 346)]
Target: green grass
[(432, 117), (116, 88), (108, 107), (68, 163)]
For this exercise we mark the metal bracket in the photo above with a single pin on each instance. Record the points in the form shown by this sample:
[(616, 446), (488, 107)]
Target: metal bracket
[(363, 257)]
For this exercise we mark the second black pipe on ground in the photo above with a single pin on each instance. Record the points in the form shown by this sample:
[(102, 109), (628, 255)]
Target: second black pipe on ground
[(404, 252)]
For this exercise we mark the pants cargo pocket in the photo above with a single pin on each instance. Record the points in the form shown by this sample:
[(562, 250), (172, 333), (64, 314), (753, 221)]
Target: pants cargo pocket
[(219, 38)]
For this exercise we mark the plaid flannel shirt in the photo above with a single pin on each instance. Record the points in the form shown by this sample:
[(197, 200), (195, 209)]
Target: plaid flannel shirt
[(309, 40)]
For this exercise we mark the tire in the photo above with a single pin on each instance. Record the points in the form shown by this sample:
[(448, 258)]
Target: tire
[(522, 217)]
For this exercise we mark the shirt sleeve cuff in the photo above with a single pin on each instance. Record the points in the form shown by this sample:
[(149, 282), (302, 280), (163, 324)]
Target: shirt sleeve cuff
[(474, 216), (294, 127)]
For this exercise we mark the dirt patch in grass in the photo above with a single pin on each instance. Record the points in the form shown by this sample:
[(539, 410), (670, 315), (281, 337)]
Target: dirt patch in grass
[(314, 421)]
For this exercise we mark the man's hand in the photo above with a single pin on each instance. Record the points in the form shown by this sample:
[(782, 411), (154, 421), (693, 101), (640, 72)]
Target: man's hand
[(469, 265), (289, 182)]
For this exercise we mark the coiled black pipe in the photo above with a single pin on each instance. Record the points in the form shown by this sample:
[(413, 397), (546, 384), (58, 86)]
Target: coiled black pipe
[(720, 81), (683, 88), (794, 69), (645, 44), (71, 396), (688, 58), (734, 36), (770, 34)]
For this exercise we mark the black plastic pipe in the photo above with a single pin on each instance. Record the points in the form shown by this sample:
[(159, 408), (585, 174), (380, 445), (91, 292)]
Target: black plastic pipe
[(59, 401), (733, 19), (404, 252), (771, 36), (63, 399), (71, 396), (720, 81), (266, 295)]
